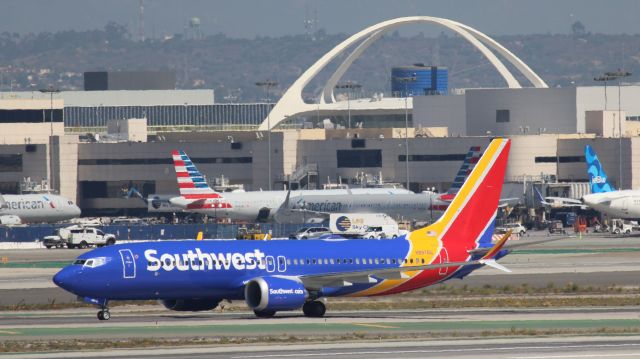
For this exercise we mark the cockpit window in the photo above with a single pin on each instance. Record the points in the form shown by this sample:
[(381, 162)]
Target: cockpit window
[(95, 262), (80, 261)]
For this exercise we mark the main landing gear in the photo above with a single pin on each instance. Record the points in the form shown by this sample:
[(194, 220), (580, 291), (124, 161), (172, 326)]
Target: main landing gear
[(314, 309), (104, 314)]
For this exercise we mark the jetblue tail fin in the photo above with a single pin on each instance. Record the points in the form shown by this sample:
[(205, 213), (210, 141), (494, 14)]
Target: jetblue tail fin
[(191, 182), (597, 176)]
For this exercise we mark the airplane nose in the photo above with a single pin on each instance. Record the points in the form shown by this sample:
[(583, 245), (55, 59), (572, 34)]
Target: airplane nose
[(77, 211), (65, 278)]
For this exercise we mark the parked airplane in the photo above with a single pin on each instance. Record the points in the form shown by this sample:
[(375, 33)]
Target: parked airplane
[(425, 206), (604, 197), (196, 196), (288, 275), (558, 202), (34, 208), (311, 205)]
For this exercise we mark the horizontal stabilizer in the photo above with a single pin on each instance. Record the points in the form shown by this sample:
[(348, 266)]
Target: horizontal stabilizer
[(493, 264)]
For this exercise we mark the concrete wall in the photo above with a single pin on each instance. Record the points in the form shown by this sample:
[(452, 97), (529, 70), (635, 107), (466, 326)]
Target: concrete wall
[(553, 110), (438, 111), (593, 98), (608, 150)]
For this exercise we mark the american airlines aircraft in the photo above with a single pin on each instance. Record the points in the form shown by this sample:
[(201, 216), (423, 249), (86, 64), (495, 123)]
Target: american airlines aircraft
[(284, 275), (34, 208), (310, 205), (604, 197)]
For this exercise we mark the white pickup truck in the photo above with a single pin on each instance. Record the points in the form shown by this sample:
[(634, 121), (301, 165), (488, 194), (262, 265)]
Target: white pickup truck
[(78, 237)]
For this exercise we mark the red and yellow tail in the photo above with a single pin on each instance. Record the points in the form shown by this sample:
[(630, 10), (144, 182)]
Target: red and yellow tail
[(468, 218)]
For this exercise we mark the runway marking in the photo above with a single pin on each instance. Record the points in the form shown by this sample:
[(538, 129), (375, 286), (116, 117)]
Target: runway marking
[(375, 325), (427, 351), (580, 356)]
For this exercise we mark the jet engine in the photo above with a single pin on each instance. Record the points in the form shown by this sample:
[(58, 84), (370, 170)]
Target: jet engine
[(274, 293), (190, 305)]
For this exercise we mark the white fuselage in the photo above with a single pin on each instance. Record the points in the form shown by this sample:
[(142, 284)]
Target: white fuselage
[(617, 204), (304, 206), (248, 206), (33, 208)]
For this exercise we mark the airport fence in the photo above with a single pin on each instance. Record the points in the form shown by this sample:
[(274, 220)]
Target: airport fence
[(148, 231)]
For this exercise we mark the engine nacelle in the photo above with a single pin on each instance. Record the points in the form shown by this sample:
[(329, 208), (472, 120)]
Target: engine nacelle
[(190, 305), (274, 293)]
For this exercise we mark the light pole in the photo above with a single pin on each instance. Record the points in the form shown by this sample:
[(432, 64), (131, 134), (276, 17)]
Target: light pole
[(50, 90), (608, 76), (349, 85), (267, 85), (406, 81)]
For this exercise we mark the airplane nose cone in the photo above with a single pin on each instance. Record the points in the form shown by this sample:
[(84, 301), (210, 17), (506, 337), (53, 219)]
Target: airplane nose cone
[(65, 278), (77, 211)]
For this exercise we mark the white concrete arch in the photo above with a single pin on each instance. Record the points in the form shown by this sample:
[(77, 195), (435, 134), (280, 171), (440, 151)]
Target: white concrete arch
[(291, 102)]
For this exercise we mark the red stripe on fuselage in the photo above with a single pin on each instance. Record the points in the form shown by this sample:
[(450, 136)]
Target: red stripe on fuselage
[(466, 228), (201, 195)]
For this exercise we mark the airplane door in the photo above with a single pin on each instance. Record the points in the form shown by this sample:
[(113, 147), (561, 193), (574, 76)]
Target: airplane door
[(271, 264), (625, 205), (128, 264), (282, 264)]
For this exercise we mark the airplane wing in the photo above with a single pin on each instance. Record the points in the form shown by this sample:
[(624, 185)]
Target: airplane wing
[(285, 211), (345, 279)]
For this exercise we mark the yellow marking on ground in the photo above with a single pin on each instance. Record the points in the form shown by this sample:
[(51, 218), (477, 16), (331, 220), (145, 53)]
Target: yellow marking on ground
[(9, 332), (375, 325)]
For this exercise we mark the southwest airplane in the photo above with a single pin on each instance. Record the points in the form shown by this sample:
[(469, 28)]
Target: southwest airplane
[(35, 208), (285, 275), (310, 205), (604, 197)]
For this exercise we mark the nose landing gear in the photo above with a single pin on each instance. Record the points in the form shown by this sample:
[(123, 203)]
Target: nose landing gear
[(104, 314)]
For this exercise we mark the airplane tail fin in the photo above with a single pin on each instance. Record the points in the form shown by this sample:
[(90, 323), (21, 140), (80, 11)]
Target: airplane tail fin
[(468, 221), (468, 164), (597, 176), (539, 196), (191, 182)]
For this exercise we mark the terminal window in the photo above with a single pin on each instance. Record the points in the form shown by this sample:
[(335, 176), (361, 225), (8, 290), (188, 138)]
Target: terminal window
[(359, 158), (502, 116), (11, 163)]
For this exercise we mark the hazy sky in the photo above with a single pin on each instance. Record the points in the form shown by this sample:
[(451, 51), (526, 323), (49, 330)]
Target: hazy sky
[(248, 18)]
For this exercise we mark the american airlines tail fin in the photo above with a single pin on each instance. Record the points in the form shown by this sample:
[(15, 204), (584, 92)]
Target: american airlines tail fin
[(468, 164), (597, 176), (191, 182)]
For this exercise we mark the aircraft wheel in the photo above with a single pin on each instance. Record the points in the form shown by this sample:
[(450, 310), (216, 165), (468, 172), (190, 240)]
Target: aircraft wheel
[(314, 309), (264, 313), (104, 315)]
